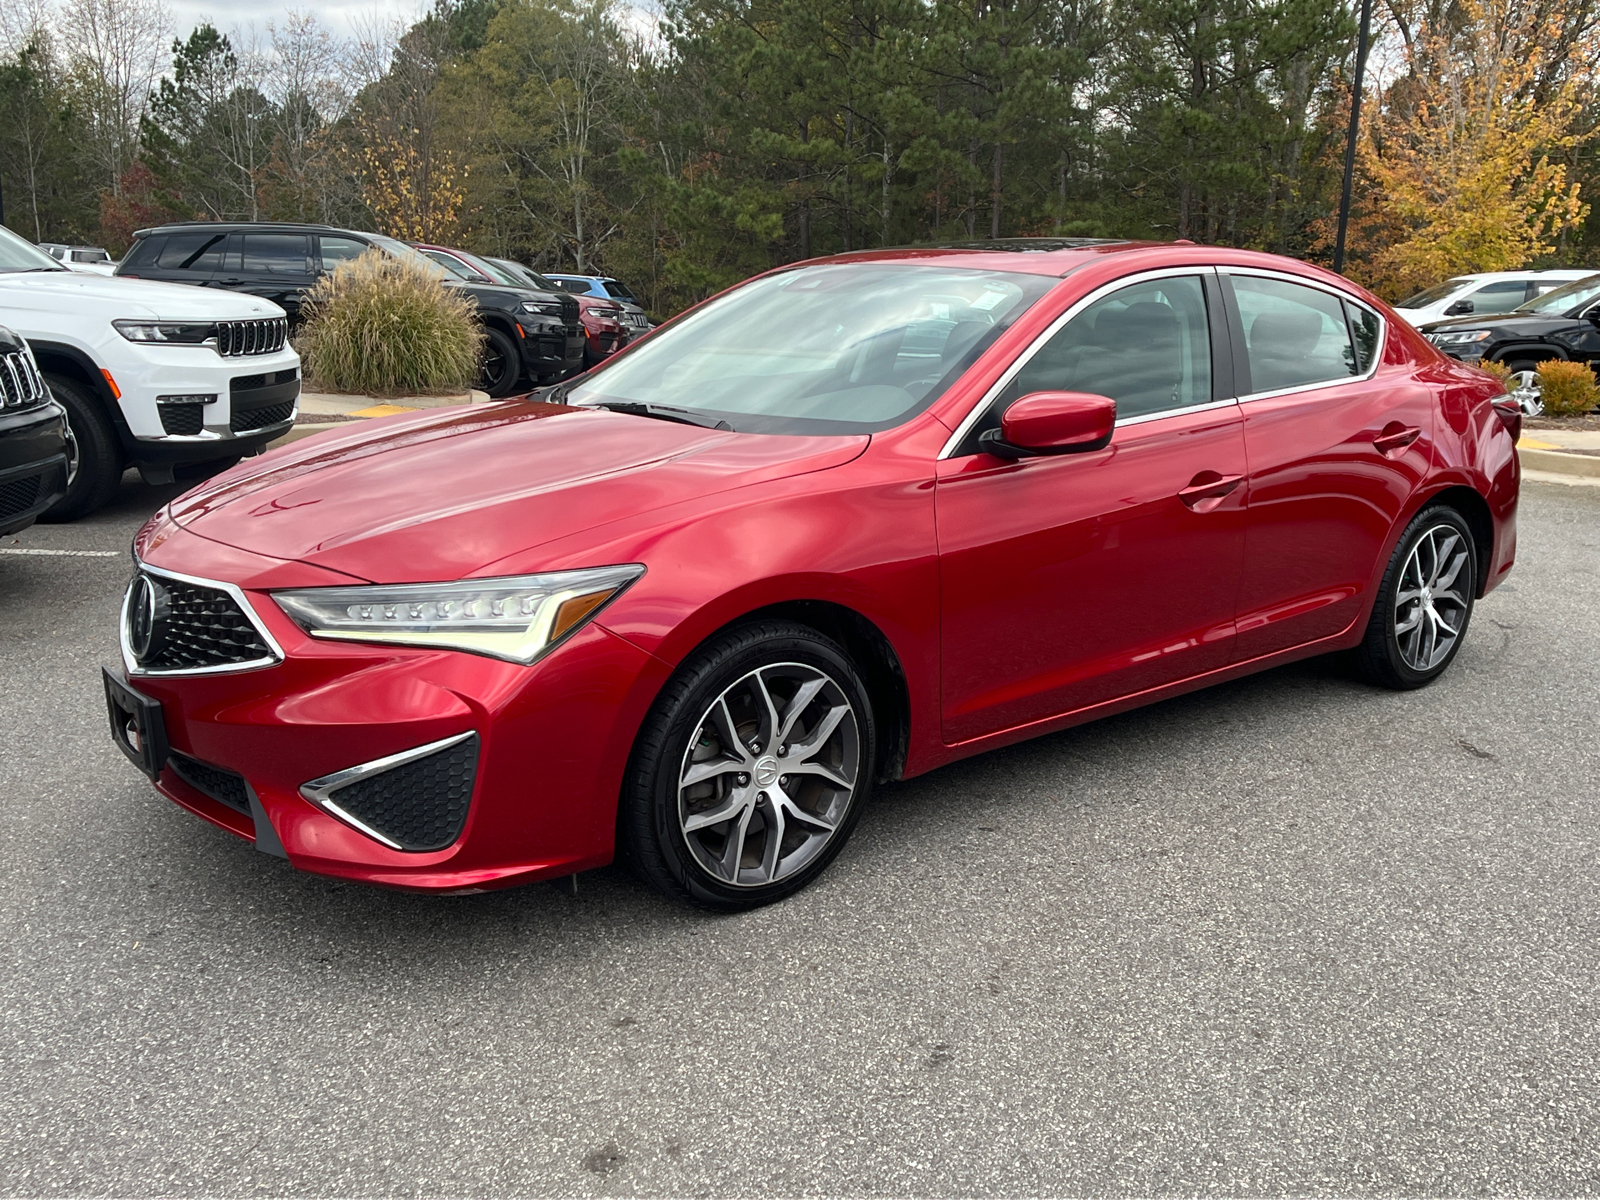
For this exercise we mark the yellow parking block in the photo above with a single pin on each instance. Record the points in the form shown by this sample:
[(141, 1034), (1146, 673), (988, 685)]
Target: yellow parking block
[(382, 410), (1530, 443)]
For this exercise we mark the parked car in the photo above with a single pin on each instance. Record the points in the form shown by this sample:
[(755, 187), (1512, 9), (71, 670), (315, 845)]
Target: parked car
[(33, 438), (1479, 295), (847, 522), (153, 376), (92, 260), (637, 320), (603, 331), (1563, 323), (538, 339)]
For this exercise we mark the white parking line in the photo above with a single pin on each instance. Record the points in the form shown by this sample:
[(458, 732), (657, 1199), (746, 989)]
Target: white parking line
[(62, 553)]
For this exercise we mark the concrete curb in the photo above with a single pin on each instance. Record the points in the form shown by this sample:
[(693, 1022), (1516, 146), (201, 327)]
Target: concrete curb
[(1556, 462)]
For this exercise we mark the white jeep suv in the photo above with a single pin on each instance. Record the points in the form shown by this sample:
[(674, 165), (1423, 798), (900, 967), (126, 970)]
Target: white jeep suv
[(164, 377)]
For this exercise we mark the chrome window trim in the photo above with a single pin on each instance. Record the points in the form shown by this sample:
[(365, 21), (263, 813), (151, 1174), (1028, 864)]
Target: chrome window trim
[(318, 791), (988, 398), (1315, 285), (238, 596)]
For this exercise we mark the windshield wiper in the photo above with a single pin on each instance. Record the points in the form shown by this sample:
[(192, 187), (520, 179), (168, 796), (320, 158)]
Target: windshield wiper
[(661, 413)]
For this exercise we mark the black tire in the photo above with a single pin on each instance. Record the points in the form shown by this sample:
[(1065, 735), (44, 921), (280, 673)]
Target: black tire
[(651, 835), (1383, 657), (99, 467), (501, 365)]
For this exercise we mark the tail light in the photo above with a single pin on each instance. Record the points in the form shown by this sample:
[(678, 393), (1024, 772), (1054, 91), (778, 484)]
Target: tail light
[(1510, 414)]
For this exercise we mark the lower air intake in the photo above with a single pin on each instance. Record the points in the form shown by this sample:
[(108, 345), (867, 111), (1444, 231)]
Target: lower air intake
[(416, 800), (220, 784)]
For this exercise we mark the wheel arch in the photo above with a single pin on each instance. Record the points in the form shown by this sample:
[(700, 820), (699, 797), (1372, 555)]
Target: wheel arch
[(1474, 510), (55, 358), (1525, 349)]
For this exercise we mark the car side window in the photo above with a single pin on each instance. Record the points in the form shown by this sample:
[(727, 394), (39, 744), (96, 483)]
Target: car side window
[(145, 251), (275, 253), (1147, 346), (1364, 331), (336, 250), (192, 252), (1294, 335), (1500, 296)]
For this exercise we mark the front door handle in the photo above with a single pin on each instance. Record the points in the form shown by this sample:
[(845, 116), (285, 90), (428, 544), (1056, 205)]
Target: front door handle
[(1395, 438), (1207, 490)]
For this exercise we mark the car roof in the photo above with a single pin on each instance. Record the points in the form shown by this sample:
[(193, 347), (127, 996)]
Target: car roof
[(1529, 273), (264, 226), (1062, 256)]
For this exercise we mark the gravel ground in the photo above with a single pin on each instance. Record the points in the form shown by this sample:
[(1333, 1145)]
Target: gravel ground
[(1287, 935)]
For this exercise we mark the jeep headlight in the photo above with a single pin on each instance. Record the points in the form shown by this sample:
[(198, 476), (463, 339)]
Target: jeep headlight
[(517, 618), (1456, 339), (542, 308), (169, 332)]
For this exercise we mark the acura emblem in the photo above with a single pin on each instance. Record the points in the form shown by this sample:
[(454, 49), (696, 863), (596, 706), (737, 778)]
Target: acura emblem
[(147, 608)]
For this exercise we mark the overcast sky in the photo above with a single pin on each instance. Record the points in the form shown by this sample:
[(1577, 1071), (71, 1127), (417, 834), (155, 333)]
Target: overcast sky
[(340, 17)]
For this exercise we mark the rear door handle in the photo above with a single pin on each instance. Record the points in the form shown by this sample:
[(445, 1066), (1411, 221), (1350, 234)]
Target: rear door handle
[(1207, 490), (1395, 438)]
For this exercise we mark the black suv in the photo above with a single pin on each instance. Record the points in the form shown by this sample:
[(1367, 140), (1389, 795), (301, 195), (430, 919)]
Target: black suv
[(1564, 323), (33, 438), (532, 335)]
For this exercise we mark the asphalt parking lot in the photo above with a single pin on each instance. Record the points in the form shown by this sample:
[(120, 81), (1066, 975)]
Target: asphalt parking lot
[(1287, 935)]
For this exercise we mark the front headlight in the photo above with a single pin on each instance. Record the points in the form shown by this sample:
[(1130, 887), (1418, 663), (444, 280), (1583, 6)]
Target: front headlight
[(170, 332), (517, 618), (542, 308), (1456, 339)]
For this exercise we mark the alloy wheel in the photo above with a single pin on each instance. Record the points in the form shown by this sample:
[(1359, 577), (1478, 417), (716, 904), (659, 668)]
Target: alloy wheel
[(769, 774), (72, 454), (1431, 602), (1526, 392)]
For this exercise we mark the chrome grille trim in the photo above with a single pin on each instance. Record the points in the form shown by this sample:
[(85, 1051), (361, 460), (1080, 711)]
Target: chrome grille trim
[(21, 384), (275, 651), (241, 338)]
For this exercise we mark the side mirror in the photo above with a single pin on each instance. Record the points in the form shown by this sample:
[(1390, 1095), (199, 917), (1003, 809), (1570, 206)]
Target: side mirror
[(1052, 423), (1459, 309)]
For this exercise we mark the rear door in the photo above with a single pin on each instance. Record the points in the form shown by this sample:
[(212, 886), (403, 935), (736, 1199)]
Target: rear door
[(1337, 440), (1072, 580), (275, 266)]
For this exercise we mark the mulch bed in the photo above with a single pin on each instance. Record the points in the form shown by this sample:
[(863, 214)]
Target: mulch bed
[(1587, 421)]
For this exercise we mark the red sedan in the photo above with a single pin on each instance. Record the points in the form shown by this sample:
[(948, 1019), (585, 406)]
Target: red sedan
[(842, 524)]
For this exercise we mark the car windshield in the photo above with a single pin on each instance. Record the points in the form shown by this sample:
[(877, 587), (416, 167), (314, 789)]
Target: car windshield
[(1433, 295), (833, 348), (406, 254), (1576, 294), (18, 254), (493, 270)]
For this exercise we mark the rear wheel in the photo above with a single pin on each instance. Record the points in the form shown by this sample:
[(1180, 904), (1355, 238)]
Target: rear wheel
[(1524, 384), (501, 365), (1424, 603), (94, 460), (751, 770)]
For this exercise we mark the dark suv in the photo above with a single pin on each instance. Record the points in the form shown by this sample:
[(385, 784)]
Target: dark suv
[(1564, 323), (33, 438), (532, 335)]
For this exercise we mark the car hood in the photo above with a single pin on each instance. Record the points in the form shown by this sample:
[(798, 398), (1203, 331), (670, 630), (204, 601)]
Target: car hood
[(1513, 323), (77, 292), (443, 493)]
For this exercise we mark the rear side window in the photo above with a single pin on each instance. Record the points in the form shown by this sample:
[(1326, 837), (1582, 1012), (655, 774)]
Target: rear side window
[(1147, 346), (1294, 335), (144, 252), (274, 253), (336, 250), (192, 252), (1501, 296), (620, 291), (1364, 330)]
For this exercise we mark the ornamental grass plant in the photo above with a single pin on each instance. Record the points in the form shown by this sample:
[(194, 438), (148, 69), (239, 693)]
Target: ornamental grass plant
[(380, 326), (1567, 388)]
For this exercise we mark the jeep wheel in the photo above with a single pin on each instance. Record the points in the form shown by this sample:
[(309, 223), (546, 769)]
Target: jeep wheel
[(501, 365), (94, 466)]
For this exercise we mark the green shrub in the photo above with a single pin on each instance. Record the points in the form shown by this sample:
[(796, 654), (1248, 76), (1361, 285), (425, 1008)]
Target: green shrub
[(1567, 388), (378, 326)]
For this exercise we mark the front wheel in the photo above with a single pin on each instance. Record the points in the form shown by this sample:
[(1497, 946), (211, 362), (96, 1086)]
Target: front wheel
[(751, 770), (1424, 602), (94, 459), (501, 365), (1523, 380)]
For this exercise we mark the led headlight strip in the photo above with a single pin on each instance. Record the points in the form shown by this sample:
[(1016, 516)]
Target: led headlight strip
[(517, 618)]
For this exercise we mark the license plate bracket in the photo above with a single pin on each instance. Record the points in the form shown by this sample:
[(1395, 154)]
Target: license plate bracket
[(137, 725)]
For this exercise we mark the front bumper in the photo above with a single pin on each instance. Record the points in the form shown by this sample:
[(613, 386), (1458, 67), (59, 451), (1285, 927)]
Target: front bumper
[(550, 348), (33, 464), (550, 740)]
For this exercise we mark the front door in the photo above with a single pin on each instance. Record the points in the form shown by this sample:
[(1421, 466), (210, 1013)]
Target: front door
[(1071, 580), (1337, 443)]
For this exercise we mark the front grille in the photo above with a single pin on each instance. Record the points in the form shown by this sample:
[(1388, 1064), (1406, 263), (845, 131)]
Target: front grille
[(182, 419), (19, 495), (194, 627), (419, 805), (222, 785), (251, 337), (21, 385), (569, 308), (260, 418), (636, 320)]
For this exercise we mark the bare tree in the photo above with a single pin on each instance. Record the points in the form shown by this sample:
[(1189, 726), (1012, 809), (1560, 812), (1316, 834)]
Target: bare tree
[(116, 50)]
